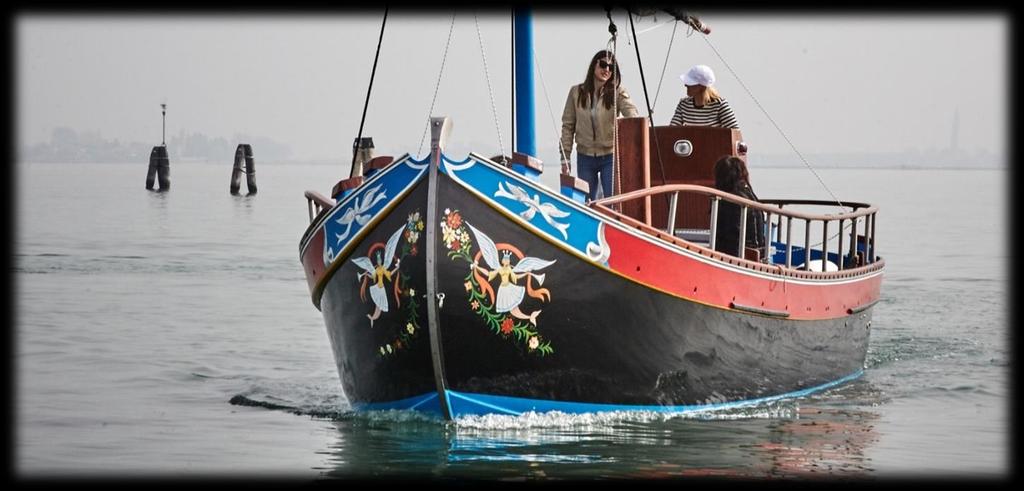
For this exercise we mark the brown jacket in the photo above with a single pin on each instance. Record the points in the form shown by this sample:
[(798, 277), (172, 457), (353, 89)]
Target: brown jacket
[(592, 131)]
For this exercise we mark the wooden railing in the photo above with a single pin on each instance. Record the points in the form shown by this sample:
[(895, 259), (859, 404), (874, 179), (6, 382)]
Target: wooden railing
[(858, 215), (317, 204)]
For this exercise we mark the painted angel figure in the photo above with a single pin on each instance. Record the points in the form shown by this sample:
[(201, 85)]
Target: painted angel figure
[(378, 273), (510, 293)]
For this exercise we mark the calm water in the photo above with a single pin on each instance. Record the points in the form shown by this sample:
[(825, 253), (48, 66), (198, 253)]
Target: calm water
[(172, 334)]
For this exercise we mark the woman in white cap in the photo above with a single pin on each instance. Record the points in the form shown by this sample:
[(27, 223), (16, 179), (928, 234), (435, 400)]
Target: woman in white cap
[(703, 106), (588, 120)]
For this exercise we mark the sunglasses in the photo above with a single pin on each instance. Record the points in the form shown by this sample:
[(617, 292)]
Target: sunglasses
[(605, 64)]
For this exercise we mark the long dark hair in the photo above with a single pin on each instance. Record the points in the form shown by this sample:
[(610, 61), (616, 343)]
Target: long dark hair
[(731, 174), (587, 89)]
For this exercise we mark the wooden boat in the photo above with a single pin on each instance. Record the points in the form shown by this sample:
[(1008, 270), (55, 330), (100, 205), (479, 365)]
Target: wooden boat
[(467, 287)]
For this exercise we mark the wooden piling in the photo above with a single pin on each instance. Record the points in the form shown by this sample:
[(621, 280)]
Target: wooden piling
[(159, 168), (243, 157), (250, 170)]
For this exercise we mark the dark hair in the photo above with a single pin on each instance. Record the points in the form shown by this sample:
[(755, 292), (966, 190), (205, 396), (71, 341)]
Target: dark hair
[(587, 89), (731, 174)]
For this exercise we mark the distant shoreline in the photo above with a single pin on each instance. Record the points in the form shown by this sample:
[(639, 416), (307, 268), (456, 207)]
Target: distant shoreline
[(755, 165)]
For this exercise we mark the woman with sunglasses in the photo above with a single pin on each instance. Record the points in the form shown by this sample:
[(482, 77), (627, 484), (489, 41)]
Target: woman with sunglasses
[(588, 120)]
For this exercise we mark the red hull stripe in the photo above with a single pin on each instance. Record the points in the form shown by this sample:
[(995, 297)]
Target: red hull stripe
[(313, 260), (708, 283)]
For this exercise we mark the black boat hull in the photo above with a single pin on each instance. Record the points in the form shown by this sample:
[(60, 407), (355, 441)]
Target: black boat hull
[(617, 342), (526, 319), (387, 363)]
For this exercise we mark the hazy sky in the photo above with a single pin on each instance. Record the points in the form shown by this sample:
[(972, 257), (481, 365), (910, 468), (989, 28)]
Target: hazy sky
[(832, 82)]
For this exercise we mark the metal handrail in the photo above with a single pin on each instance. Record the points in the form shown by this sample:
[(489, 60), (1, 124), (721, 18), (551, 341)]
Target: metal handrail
[(768, 205), (772, 208)]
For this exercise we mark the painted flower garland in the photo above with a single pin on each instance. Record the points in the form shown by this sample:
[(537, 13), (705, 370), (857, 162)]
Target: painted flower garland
[(410, 330), (459, 243)]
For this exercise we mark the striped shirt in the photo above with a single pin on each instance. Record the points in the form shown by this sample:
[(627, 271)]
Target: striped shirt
[(717, 114)]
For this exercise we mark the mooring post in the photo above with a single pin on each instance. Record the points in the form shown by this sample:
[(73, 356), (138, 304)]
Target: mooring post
[(163, 169), (159, 162), (236, 169), (243, 156), (250, 170), (151, 174), (159, 168)]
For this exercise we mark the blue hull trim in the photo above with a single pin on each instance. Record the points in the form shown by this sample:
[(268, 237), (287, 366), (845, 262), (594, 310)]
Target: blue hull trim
[(426, 403), (467, 404)]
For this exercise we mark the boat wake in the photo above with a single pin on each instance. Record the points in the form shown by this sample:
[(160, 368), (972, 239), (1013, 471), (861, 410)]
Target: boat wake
[(557, 419), (312, 401), (340, 411), (300, 399)]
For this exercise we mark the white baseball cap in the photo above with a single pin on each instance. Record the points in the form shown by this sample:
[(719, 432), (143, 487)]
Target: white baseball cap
[(699, 75)]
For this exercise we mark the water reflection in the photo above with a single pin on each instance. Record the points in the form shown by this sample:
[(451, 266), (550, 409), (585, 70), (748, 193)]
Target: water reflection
[(824, 441), (158, 199), (803, 439), (245, 205)]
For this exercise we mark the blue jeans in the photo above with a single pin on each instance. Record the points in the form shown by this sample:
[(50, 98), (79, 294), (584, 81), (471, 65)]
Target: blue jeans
[(588, 169)]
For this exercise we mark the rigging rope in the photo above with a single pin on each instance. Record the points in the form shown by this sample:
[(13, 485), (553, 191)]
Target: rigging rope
[(853, 222), (551, 114), (656, 26), (647, 100), (438, 84), (772, 121), (494, 110), (373, 73), (665, 65), (611, 47)]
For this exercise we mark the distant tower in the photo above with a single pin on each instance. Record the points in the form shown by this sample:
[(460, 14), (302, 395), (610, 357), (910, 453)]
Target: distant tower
[(163, 132), (955, 136)]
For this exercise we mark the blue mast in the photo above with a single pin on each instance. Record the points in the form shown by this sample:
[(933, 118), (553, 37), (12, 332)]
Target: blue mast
[(523, 31)]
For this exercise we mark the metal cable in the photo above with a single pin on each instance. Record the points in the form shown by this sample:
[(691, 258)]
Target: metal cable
[(494, 110), (647, 100), (772, 121), (664, 66), (438, 84), (373, 73), (551, 114), (612, 47)]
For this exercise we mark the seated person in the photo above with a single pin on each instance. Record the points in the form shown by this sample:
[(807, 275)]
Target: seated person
[(731, 176)]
